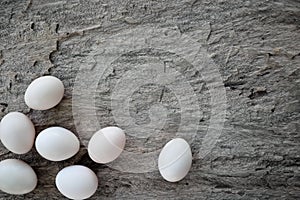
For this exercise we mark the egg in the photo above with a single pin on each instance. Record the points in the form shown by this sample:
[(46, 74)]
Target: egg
[(16, 177), (106, 144), (76, 182), (57, 144), (44, 93), (17, 132), (175, 160)]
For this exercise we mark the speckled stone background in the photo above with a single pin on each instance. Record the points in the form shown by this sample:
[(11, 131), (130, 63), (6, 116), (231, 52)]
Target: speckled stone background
[(255, 45)]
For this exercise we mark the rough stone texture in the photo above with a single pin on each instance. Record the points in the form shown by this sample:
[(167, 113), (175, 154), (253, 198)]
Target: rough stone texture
[(256, 46)]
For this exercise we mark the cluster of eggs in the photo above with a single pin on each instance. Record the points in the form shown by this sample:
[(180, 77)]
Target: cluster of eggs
[(17, 134)]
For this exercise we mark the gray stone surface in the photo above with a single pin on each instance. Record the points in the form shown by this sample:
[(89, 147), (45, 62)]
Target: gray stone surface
[(254, 44)]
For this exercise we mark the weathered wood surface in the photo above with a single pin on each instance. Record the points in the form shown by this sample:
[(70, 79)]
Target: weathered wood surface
[(254, 44)]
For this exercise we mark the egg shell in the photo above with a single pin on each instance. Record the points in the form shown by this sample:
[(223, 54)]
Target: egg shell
[(17, 132), (76, 182), (57, 144), (16, 177), (106, 144), (175, 160), (44, 93)]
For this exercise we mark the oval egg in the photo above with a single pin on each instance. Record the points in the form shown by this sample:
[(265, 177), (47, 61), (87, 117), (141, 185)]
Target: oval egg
[(16, 177), (17, 132), (106, 144), (57, 144), (175, 160), (44, 93), (76, 182)]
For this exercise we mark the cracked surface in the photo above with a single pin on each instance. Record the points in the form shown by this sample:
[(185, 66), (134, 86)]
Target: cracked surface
[(255, 44)]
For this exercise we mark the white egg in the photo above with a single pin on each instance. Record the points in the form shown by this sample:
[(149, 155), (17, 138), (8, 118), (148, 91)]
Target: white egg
[(76, 182), (175, 160), (57, 144), (106, 144), (16, 177), (17, 132), (44, 93)]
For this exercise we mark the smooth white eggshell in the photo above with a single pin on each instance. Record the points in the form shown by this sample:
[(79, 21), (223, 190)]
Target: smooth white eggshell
[(175, 160), (106, 144), (76, 182), (17, 132), (44, 93), (57, 144), (16, 177)]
